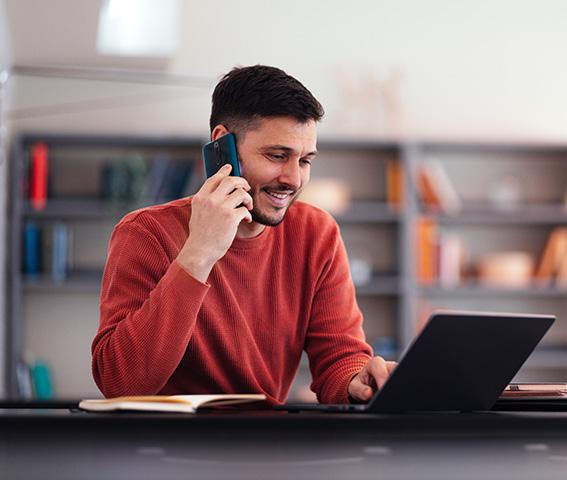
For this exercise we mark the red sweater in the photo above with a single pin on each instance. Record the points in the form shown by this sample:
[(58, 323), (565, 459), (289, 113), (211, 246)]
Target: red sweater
[(288, 289)]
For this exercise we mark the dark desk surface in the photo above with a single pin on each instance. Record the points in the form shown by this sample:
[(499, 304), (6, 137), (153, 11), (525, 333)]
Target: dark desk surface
[(57, 443)]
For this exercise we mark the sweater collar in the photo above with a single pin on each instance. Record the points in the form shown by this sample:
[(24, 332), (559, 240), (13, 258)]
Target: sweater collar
[(257, 242)]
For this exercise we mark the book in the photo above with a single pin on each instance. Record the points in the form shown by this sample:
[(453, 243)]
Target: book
[(451, 259), (561, 278), (32, 250), (60, 252), (38, 176), (426, 190), (171, 403), (552, 257), (395, 179), (42, 381), (427, 251), (535, 390), (436, 188)]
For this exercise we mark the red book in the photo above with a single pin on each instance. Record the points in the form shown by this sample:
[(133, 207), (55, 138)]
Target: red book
[(38, 176)]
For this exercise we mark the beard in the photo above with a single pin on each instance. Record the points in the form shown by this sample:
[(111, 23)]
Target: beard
[(271, 216)]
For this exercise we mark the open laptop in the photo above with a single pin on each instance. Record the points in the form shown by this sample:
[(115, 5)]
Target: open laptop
[(461, 361)]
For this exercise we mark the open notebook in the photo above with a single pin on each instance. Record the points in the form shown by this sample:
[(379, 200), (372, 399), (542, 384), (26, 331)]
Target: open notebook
[(172, 403)]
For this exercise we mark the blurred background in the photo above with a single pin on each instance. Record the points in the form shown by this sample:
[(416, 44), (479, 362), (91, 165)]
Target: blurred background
[(443, 156)]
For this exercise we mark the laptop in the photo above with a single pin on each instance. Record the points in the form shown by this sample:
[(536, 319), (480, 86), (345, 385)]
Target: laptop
[(461, 361)]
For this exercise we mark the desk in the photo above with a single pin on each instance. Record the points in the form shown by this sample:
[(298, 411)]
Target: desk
[(59, 444)]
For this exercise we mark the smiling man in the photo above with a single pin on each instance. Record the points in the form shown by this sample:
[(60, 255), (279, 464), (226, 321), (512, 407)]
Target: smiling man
[(221, 292)]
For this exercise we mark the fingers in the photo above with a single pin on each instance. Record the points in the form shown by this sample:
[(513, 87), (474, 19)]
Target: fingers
[(229, 184), (213, 182), (378, 371), (245, 215), (391, 366), (239, 197), (359, 390)]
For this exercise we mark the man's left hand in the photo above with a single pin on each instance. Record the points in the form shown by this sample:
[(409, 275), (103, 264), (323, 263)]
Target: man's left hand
[(372, 377)]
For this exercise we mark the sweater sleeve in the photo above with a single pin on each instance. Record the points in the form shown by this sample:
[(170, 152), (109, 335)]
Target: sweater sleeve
[(335, 340), (148, 310)]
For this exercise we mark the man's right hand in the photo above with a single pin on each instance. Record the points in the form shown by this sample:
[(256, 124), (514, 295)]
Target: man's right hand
[(215, 216)]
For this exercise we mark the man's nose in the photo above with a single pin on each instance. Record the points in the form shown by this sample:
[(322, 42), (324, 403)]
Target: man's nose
[(290, 174)]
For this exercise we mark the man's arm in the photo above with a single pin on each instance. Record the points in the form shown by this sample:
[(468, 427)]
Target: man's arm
[(149, 304), (335, 340), (148, 310)]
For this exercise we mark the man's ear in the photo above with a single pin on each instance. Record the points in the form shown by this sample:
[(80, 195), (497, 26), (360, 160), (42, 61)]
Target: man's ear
[(218, 131)]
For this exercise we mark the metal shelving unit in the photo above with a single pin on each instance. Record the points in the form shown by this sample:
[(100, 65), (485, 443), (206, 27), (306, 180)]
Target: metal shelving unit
[(398, 286), (535, 214), (68, 210)]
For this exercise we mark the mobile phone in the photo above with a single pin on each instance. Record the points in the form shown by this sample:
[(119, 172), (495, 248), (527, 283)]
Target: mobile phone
[(219, 152)]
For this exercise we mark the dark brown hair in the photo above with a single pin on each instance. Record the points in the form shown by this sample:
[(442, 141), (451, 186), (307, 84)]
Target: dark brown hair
[(247, 94)]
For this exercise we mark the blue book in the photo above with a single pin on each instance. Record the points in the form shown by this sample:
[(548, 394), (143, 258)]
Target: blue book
[(32, 249), (60, 252)]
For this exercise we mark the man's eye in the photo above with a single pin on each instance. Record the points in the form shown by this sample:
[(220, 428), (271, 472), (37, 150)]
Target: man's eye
[(306, 162), (276, 156)]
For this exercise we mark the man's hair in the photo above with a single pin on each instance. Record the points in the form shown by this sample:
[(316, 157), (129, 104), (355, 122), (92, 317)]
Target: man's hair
[(247, 94)]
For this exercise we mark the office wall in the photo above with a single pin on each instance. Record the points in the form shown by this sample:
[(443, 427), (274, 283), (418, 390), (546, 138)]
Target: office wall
[(5, 56), (460, 68)]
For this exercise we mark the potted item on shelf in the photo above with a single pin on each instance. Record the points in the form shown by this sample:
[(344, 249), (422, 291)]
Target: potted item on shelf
[(506, 269)]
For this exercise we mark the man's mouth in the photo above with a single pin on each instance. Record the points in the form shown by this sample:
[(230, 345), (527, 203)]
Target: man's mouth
[(279, 198)]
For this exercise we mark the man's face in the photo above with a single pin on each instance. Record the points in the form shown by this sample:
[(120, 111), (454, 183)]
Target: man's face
[(276, 157)]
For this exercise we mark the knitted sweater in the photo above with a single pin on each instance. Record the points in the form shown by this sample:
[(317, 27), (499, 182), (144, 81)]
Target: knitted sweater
[(270, 297)]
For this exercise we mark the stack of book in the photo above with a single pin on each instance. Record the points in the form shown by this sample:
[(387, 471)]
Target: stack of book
[(129, 181), (34, 380), (440, 255), (47, 250)]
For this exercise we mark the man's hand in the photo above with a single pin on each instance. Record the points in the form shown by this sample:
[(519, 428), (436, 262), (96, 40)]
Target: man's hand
[(371, 377), (215, 216)]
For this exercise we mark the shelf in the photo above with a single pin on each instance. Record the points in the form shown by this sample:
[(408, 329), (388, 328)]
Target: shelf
[(380, 285), (120, 141), (78, 281), (476, 290), (97, 209), (368, 212), (78, 209), (527, 215)]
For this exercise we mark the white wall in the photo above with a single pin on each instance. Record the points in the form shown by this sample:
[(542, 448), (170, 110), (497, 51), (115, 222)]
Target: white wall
[(468, 69), (5, 56)]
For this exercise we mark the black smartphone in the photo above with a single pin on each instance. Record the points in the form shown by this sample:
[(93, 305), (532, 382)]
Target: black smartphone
[(219, 152)]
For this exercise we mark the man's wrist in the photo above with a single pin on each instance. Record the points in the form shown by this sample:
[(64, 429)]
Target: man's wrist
[(196, 266)]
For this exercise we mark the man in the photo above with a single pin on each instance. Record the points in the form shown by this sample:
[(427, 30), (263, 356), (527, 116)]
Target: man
[(221, 292)]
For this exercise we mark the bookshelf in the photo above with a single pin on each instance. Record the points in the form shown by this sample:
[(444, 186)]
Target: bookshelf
[(46, 316), (512, 197), (49, 315)]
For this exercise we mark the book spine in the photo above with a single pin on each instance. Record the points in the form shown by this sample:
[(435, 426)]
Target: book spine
[(32, 246), (451, 257), (24, 381), (42, 381), (395, 179), (38, 176), (427, 251), (60, 246)]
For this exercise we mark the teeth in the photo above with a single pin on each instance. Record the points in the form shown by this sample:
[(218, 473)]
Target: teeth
[(278, 195)]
